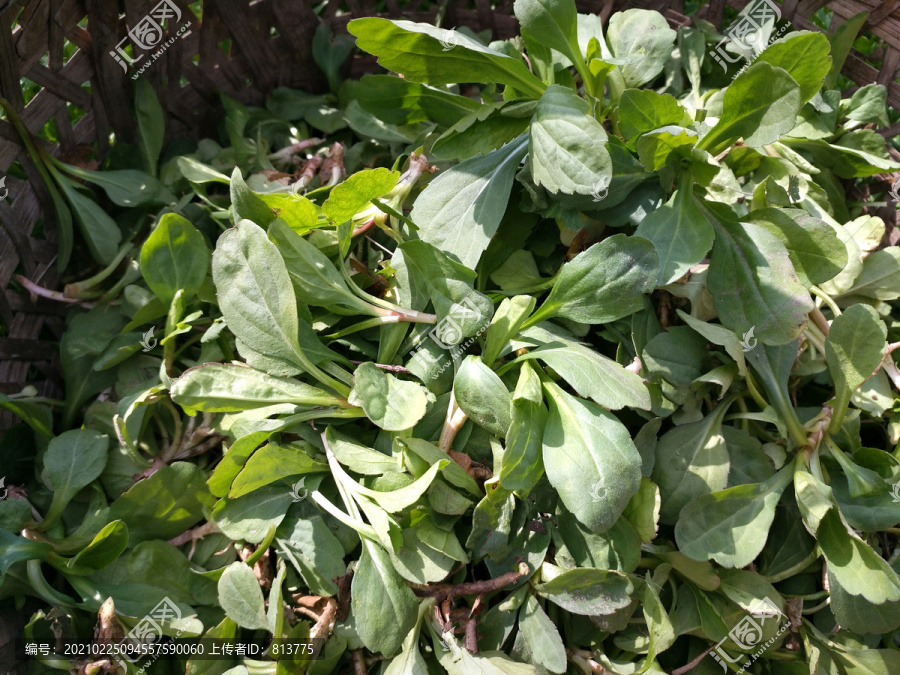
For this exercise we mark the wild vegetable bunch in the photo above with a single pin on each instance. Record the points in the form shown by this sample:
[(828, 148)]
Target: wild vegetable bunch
[(615, 392)]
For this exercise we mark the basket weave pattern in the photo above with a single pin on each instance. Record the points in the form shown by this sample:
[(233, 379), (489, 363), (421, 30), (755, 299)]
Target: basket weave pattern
[(244, 49)]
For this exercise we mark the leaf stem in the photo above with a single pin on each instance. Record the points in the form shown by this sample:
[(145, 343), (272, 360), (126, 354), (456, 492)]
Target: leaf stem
[(363, 325), (818, 292), (75, 290)]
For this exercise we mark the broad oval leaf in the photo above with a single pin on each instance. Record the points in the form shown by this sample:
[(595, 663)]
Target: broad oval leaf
[(220, 387), (754, 284), (854, 349), (391, 403), (419, 51), (731, 526), (589, 458), (73, 460), (603, 283), (568, 146), (481, 394), (384, 607), (760, 106), (461, 209), (588, 591), (242, 598)]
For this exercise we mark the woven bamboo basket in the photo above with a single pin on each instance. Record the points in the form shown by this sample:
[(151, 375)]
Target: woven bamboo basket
[(244, 49)]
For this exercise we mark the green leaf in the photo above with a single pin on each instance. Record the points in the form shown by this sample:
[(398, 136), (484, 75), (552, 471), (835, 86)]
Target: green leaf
[(815, 250), (731, 526), (398, 101), (198, 172), (586, 449), (643, 110), (508, 319), (461, 310), (841, 42), (384, 608), (643, 510), (246, 204), (14, 548), (151, 124), (594, 376), (489, 127), (554, 23), (106, 546), (315, 278), (859, 569), (311, 547), (461, 209), (603, 283), (273, 462), (250, 516), (395, 501), (219, 387), (680, 232), (522, 467), (542, 636), (15, 514), (391, 403), (355, 193), (760, 106), (101, 233), (126, 187), (73, 460), (165, 504), (814, 498), (481, 394), (174, 257), (567, 147), (691, 460), (258, 302), (868, 104), (678, 355), (665, 145), (754, 284), (453, 473), (242, 598), (418, 50), (878, 279), (588, 592), (854, 349), (662, 633), (805, 56), (857, 614), (644, 35), (296, 211), (358, 457), (619, 548)]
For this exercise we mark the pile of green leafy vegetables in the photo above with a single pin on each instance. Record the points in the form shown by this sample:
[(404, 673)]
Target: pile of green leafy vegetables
[(580, 366)]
